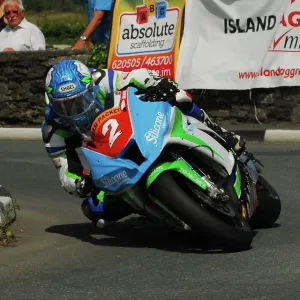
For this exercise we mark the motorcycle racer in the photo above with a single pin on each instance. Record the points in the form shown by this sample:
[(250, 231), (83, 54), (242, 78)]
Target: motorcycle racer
[(75, 96)]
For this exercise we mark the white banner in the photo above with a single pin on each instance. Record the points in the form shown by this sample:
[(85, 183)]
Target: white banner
[(240, 44)]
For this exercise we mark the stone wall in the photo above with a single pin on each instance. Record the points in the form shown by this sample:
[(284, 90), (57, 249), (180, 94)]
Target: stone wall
[(22, 80), (265, 105), (22, 83)]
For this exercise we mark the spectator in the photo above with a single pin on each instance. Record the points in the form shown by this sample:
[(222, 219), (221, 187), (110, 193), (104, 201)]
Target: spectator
[(100, 19), (2, 22), (19, 34)]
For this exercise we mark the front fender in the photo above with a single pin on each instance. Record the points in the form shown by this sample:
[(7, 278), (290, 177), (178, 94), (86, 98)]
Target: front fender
[(179, 166)]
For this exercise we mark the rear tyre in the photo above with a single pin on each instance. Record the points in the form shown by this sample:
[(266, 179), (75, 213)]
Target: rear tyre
[(199, 216), (269, 205)]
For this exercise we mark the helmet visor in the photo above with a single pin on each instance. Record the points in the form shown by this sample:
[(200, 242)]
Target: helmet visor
[(72, 107)]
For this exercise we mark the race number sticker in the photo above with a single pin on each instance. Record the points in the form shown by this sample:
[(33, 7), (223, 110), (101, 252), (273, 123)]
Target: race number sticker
[(112, 130)]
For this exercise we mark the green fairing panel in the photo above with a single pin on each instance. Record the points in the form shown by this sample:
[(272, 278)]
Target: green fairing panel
[(179, 132), (237, 184)]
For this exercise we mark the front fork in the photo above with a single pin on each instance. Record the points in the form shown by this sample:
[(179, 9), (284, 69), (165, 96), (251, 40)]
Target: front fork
[(213, 191), (250, 175), (218, 194), (187, 169)]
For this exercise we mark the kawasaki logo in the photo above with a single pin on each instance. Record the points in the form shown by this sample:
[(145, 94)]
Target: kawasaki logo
[(67, 87)]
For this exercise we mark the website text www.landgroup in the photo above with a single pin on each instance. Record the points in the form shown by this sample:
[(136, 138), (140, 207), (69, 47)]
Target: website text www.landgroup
[(284, 72)]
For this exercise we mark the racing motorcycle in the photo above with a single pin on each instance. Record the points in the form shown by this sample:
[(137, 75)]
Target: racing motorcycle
[(174, 169)]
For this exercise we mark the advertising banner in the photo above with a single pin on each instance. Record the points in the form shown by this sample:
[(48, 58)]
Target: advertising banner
[(240, 44), (146, 34), (281, 66)]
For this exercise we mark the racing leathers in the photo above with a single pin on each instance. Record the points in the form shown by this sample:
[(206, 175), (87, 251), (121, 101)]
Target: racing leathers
[(62, 139)]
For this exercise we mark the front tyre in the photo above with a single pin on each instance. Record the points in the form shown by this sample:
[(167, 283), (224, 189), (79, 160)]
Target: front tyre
[(269, 205), (199, 216)]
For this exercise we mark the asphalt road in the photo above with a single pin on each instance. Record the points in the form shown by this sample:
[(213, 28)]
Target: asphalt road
[(60, 255)]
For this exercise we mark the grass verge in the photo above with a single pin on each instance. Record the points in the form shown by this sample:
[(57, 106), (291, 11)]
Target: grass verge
[(7, 237)]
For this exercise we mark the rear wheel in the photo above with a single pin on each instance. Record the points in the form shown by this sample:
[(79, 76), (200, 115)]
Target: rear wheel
[(269, 205), (228, 228)]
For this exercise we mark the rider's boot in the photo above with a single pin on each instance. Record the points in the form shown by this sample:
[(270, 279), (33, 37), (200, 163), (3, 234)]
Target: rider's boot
[(105, 210), (234, 141), (189, 108), (93, 209)]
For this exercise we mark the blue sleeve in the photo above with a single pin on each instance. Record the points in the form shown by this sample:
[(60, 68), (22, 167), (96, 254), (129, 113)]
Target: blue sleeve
[(103, 5), (111, 75)]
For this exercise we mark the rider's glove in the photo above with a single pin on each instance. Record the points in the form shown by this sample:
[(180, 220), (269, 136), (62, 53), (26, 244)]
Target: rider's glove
[(240, 147), (234, 141), (159, 88), (84, 186)]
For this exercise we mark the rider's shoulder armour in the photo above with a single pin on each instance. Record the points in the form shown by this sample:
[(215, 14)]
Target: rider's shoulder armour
[(97, 76), (47, 132)]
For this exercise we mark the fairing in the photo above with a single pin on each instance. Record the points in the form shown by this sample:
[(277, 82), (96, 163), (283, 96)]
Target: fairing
[(149, 124)]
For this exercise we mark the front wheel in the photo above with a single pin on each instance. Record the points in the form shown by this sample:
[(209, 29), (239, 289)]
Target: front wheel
[(269, 205), (231, 231)]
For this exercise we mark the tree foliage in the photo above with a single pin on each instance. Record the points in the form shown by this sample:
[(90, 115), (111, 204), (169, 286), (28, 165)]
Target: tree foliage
[(61, 5), (99, 55)]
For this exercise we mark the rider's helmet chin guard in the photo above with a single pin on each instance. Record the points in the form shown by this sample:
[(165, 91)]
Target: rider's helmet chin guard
[(69, 87)]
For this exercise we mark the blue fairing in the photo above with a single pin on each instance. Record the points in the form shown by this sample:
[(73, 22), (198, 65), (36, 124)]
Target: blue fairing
[(150, 124)]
